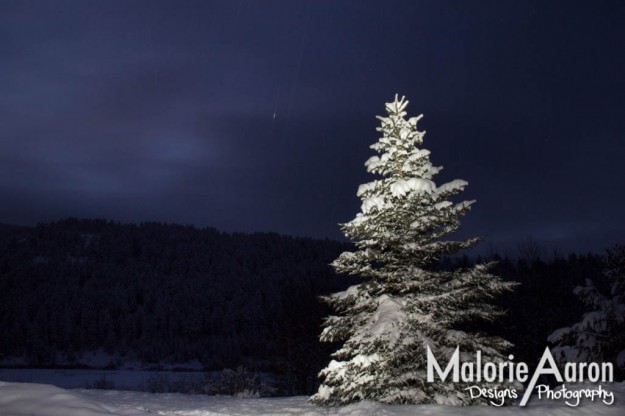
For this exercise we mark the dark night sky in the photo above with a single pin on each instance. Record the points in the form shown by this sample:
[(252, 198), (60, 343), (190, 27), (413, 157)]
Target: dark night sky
[(145, 110)]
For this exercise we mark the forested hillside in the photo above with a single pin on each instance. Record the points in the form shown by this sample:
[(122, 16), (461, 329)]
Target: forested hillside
[(160, 293)]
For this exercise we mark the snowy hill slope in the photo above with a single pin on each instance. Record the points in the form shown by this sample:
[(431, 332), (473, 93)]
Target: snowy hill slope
[(27, 399), (41, 399)]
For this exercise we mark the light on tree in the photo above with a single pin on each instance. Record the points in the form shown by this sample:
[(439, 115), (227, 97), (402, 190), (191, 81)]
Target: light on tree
[(405, 301)]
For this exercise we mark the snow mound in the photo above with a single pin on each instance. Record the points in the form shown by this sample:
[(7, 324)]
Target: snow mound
[(403, 187), (28, 399), (386, 319), (376, 202)]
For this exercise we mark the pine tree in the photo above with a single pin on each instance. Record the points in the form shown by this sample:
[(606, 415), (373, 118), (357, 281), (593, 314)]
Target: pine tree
[(405, 302), (600, 335)]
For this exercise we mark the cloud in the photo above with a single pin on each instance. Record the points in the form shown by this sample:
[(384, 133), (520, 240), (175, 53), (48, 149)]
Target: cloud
[(258, 116)]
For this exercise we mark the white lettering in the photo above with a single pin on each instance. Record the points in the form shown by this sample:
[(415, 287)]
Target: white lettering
[(540, 370), (453, 364)]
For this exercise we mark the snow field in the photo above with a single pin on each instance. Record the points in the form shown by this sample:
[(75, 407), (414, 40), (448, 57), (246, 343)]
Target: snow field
[(28, 399)]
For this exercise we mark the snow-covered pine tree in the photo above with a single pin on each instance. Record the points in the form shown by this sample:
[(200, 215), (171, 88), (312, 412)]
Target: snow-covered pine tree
[(405, 302), (600, 335)]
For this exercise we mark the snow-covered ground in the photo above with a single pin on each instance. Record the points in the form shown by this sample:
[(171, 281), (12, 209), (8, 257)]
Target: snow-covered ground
[(28, 399)]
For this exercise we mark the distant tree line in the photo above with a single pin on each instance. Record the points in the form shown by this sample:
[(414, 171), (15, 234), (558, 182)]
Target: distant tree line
[(163, 293)]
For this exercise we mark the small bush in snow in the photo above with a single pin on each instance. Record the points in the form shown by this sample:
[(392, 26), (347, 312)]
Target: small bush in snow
[(239, 382), (101, 384), (157, 383)]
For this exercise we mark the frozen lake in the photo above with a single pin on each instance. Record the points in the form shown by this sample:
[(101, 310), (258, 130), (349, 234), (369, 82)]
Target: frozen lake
[(137, 380)]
